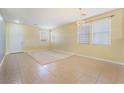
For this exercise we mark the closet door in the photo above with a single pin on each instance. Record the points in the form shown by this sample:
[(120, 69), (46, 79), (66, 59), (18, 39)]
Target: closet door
[(15, 39), (2, 37)]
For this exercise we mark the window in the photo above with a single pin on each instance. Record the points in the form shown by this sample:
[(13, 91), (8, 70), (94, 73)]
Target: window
[(101, 32), (44, 36), (83, 34), (53, 36)]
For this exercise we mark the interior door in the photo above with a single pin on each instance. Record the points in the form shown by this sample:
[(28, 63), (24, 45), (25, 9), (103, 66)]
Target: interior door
[(15, 39)]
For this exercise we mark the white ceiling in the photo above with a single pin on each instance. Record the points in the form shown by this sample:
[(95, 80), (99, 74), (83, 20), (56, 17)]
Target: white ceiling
[(49, 17)]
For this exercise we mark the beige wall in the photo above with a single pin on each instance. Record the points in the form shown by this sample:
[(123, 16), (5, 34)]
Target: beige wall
[(66, 39), (31, 37)]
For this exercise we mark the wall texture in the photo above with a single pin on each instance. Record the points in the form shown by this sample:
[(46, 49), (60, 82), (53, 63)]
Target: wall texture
[(31, 37), (2, 37), (66, 39)]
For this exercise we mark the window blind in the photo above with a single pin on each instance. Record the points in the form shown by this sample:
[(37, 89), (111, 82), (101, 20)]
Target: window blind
[(101, 31), (83, 33), (44, 36)]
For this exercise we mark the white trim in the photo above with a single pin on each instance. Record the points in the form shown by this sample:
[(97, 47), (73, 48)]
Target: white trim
[(72, 53), (12, 52), (2, 60), (6, 53), (25, 51), (66, 52), (91, 57), (35, 50), (104, 60)]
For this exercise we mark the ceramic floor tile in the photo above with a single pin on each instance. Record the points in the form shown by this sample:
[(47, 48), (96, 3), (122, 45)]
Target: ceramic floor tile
[(9, 71), (21, 68), (109, 74)]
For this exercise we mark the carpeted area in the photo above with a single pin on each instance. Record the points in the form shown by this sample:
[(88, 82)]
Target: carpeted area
[(48, 56)]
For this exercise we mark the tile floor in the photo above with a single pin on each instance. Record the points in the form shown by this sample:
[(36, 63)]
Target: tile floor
[(23, 69)]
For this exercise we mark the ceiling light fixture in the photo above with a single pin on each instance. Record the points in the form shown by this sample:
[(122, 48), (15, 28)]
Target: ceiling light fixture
[(17, 21), (80, 21)]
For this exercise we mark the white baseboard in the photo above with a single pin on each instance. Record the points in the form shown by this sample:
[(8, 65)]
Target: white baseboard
[(3, 59), (91, 57), (35, 50), (104, 60), (7, 53), (72, 53), (63, 51)]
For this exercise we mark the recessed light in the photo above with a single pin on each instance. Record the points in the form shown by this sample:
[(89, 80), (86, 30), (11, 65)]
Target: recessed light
[(17, 21), (47, 27)]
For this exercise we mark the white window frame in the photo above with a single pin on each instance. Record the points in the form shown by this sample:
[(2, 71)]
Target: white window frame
[(108, 32), (47, 38), (78, 33)]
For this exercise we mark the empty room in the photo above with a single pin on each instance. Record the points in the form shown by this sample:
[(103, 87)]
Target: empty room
[(61, 45)]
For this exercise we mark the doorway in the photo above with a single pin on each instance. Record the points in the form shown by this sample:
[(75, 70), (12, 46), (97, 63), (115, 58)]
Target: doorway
[(15, 39)]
